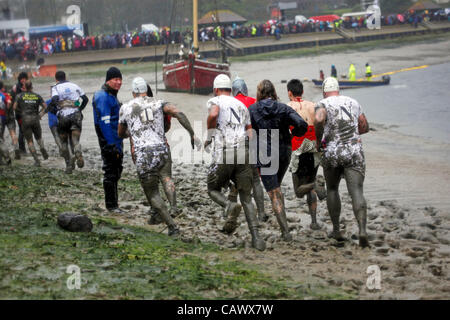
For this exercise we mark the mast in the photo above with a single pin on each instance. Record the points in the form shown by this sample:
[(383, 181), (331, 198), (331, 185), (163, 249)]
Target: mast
[(195, 25)]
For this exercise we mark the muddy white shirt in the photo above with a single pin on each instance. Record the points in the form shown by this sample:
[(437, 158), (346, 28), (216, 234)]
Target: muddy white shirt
[(341, 133), (231, 123), (144, 119), (67, 91)]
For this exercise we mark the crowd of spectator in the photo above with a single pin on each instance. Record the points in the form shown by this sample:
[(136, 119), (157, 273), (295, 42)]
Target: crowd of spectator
[(23, 49)]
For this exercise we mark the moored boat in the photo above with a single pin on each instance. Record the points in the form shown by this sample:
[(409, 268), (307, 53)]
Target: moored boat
[(345, 84), (191, 74)]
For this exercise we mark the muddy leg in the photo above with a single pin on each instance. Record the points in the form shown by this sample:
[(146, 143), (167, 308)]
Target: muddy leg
[(15, 143), (278, 208), (253, 225), (312, 206), (355, 181), (65, 152), (258, 195), (150, 186), (57, 139), (33, 152), (169, 190), (333, 177), (233, 195), (37, 131), (76, 147)]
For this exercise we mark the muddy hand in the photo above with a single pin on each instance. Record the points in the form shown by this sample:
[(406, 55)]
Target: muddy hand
[(207, 145), (196, 142)]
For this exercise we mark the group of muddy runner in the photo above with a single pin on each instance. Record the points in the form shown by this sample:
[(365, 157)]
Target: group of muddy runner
[(250, 141)]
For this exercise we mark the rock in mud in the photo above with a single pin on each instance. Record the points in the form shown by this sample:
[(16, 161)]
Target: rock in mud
[(75, 222)]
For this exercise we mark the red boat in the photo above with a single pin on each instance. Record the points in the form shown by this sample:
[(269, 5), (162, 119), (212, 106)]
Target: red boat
[(193, 75)]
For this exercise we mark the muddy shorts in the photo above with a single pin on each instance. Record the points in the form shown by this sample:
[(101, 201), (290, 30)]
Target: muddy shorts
[(154, 163), (352, 159), (31, 127), (69, 123), (272, 182), (307, 170), (220, 175)]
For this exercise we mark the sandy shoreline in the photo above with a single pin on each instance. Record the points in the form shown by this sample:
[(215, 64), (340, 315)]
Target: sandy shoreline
[(409, 220)]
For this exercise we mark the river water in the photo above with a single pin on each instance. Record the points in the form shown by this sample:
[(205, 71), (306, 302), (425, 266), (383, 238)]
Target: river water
[(418, 102)]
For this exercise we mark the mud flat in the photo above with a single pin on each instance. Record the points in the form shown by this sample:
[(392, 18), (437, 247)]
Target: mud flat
[(409, 227)]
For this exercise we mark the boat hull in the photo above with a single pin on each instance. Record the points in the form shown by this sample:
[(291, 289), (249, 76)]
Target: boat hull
[(192, 75), (345, 84)]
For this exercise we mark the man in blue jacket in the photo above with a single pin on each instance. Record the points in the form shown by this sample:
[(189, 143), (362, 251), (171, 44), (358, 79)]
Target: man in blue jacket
[(106, 120)]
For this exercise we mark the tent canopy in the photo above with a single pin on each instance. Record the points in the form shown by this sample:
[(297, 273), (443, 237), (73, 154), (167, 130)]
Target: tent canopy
[(327, 18), (424, 5), (149, 28), (222, 17)]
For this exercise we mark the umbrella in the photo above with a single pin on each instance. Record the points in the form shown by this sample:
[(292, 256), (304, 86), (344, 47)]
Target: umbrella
[(400, 18)]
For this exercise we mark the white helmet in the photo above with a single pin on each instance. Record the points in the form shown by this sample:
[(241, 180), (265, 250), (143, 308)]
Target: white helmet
[(139, 85), (222, 81), (330, 84)]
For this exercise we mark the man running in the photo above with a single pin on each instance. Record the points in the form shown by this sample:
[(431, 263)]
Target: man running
[(106, 120), (65, 96), (340, 121), (27, 106), (272, 118), (229, 125), (240, 92), (11, 118), (305, 160), (143, 118)]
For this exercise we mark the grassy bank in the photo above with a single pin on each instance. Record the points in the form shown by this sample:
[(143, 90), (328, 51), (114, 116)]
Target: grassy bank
[(359, 46), (117, 261)]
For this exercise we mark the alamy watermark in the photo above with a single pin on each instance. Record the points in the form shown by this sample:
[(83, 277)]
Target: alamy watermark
[(74, 280), (374, 279), (254, 147), (374, 20)]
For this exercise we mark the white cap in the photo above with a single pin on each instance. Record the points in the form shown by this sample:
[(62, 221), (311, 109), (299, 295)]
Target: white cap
[(222, 81), (330, 84), (139, 85)]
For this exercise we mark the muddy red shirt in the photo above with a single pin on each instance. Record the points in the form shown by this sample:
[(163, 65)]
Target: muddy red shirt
[(248, 101)]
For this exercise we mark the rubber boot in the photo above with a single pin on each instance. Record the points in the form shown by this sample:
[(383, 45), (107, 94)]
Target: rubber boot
[(110, 195), (257, 242), (37, 163), (282, 221)]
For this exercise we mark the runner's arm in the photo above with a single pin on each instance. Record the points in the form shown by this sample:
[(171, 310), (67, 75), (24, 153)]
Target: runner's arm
[(211, 123), (44, 109), (363, 125), (173, 111), (319, 123), (84, 102)]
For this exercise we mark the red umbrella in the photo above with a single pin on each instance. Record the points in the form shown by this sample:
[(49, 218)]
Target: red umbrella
[(327, 18), (400, 18)]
